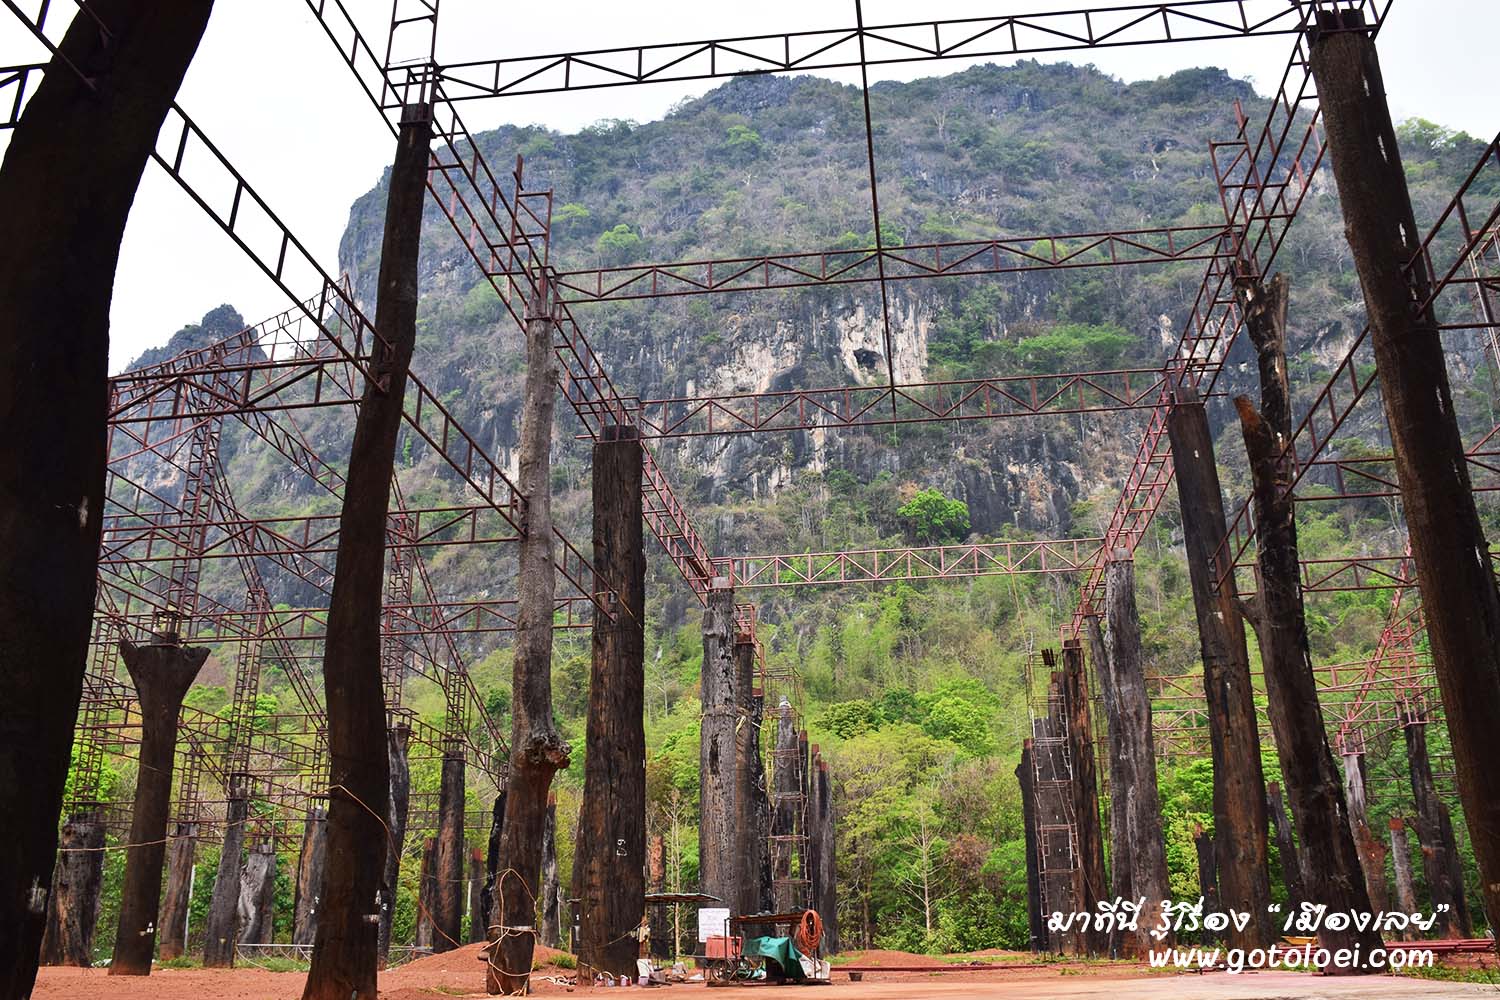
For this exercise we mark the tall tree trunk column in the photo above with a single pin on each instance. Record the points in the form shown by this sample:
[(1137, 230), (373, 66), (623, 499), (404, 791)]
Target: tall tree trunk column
[(220, 930), (828, 900), (448, 862), (1035, 920), (1135, 801), (752, 809), (538, 750), (718, 865), (174, 908), (1332, 874), (1459, 597), (1406, 892), (1371, 851), (69, 176), (74, 907), (784, 815), (476, 896), (162, 672), (609, 859), (346, 949), (1286, 845), (258, 894), (551, 882), (1240, 830), (1085, 788), (396, 739), (1436, 865), (310, 865)]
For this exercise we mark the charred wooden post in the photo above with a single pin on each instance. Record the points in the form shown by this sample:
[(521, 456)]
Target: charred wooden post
[(396, 740), (1094, 885), (828, 901), (1406, 890), (1286, 846), (1240, 825), (310, 864), (175, 901), (73, 909), (423, 938), (1463, 921), (492, 864), (162, 672), (1059, 863), (346, 951), (258, 894), (69, 176), (476, 896), (1135, 810), (448, 861), (1460, 600), (1371, 851), (551, 883), (1437, 867), (760, 838), (812, 869), (1208, 868), (718, 865), (660, 915), (610, 854), (538, 750), (220, 930), (1332, 874), (750, 801), (784, 815), (1035, 921)]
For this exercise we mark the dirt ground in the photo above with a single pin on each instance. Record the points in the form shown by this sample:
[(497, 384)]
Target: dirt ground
[(461, 973)]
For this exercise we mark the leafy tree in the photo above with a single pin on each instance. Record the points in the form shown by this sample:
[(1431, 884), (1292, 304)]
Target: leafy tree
[(934, 517), (617, 245)]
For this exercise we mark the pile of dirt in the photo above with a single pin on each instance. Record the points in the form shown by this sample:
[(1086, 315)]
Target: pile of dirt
[(461, 968)]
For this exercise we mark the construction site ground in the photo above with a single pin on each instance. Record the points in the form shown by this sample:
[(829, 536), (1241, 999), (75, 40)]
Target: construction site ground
[(461, 973)]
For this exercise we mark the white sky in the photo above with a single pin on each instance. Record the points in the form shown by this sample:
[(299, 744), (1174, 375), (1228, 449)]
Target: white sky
[(268, 87)]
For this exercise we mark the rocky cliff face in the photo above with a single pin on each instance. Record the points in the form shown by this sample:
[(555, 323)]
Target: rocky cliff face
[(770, 163)]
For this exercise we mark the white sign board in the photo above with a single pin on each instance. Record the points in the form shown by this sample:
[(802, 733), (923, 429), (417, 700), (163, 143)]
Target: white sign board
[(711, 921)]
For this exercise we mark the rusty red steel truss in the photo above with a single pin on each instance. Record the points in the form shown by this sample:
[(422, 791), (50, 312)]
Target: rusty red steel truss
[(157, 540)]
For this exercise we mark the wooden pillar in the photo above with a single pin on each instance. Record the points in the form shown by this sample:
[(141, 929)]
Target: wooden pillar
[(492, 863), (717, 864), (1463, 921), (175, 902), (537, 749), (1208, 868), (423, 938), (396, 741), (162, 671), (760, 841), (551, 884), (1460, 601), (660, 915), (750, 801), (220, 930), (448, 859), (828, 900), (73, 909), (1058, 854), (69, 176), (258, 894), (1332, 874), (1406, 892), (787, 800), (1035, 920), (1371, 850), (610, 854), (1135, 802), (1437, 867), (1291, 866), (310, 863), (1240, 826), (347, 948), (476, 896), (1085, 788)]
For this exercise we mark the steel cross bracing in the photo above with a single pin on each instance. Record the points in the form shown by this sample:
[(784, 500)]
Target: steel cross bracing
[(1100, 26)]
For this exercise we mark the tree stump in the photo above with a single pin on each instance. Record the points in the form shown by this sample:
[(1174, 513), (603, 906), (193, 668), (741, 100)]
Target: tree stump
[(310, 864)]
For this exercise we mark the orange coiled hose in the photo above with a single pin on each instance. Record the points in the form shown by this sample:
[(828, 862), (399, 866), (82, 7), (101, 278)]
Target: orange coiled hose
[(809, 932)]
